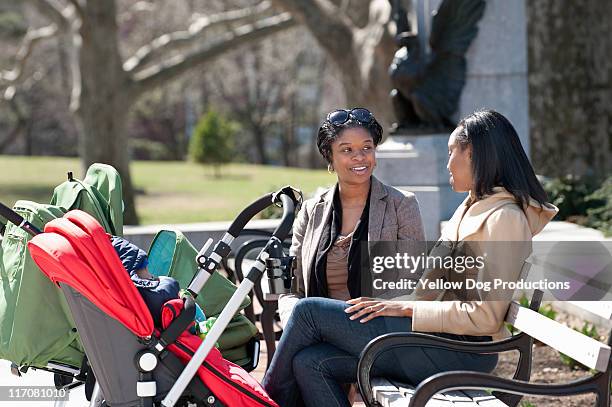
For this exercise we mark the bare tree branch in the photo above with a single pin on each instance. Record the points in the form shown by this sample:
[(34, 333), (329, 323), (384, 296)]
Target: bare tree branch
[(68, 20), (168, 70), (32, 37), (180, 39), (75, 71), (325, 21), (77, 6), (55, 11)]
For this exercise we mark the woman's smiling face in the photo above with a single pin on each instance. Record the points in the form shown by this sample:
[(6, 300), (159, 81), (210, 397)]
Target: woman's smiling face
[(353, 155)]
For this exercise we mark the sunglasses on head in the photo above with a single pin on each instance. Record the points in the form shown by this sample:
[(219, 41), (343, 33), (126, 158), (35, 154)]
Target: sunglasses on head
[(341, 116)]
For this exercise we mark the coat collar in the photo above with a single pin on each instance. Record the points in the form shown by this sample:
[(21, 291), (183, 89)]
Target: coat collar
[(468, 219), (378, 206)]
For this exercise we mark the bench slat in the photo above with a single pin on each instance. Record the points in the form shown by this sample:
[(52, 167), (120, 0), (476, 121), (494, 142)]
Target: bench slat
[(387, 394), (587, 351), (381, 385), (436, 401), (394, 400), (460, 399), (407, 391), (390, 393), (484, 399), (599, 308)]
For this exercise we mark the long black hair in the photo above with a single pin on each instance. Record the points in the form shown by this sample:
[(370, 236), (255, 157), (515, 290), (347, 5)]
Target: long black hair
[(498, 158)]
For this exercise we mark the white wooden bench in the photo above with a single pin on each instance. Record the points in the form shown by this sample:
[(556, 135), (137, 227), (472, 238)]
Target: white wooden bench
[(472, 389)]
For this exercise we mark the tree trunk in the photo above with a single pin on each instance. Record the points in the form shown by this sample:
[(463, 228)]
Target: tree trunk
[(260, 144), (361, 52), (105, 98), (570, 86)]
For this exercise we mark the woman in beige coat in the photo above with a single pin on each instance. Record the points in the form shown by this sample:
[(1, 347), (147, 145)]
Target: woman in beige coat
[(323, 338)]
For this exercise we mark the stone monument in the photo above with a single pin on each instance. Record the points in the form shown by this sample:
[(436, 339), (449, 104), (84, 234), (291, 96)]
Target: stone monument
[(455, 63)]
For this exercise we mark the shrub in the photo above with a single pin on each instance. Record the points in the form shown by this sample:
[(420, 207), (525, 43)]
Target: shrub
[(600, 216), (569, 194), (212, 141), (143, 149)]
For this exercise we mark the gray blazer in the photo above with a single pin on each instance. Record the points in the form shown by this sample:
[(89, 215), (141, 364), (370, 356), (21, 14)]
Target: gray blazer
[(394, 215)]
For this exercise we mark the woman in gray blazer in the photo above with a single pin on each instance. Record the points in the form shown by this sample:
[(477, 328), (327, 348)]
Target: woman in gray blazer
[(331, 228)]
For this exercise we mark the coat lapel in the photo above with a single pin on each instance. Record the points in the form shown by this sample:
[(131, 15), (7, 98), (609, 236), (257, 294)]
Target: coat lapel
[(378, 207), (320, 216)]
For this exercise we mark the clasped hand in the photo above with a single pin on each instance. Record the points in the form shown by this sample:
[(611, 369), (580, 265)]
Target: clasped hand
[(373, 308)]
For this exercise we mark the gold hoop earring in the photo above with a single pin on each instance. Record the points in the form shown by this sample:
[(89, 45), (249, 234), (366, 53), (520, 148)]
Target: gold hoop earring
[(330, 168)]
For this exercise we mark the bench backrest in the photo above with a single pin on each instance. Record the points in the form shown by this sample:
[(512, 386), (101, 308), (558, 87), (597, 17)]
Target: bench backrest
[(602, 309), (588, 351)]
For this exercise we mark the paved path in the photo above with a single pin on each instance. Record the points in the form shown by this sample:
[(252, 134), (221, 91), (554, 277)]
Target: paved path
[(35, 378)]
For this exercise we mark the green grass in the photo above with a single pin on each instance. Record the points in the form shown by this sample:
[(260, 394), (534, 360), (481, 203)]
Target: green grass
[(168, 192)]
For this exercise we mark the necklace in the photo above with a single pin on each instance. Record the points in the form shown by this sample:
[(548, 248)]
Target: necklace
[(353, 206)]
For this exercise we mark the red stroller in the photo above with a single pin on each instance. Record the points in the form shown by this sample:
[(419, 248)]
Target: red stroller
[(134, 362)]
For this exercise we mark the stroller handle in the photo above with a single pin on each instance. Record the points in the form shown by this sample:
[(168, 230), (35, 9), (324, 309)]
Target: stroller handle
[(291, 200), (248, 213), (18, 220), (287, 197)]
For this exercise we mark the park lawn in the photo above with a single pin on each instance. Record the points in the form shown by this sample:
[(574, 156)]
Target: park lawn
[(167, 192)]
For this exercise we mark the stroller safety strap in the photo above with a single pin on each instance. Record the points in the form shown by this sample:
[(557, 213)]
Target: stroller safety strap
[(179, 324)]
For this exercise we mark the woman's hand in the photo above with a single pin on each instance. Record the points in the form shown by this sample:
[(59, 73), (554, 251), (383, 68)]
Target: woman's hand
[(376, 308)]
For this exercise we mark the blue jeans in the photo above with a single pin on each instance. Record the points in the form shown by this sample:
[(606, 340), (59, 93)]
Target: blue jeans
[(320, 347)]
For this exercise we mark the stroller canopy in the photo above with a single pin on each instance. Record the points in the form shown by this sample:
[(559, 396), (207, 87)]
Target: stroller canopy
[(75, 250)]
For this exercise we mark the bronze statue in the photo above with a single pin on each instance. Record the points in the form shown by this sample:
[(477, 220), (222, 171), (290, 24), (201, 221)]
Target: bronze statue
[(426, 88)]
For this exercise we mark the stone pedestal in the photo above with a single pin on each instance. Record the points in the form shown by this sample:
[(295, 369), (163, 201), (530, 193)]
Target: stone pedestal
[(496, 62), (418, 164), (497, 66)]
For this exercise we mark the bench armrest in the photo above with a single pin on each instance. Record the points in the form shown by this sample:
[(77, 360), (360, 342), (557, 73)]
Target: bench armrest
[(521, 342), (466, 380)]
